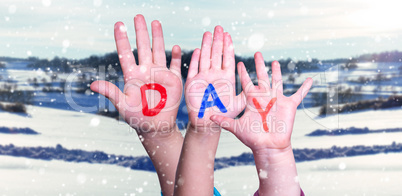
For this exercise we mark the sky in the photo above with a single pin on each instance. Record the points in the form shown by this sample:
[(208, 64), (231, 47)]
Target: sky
[(297, 29)]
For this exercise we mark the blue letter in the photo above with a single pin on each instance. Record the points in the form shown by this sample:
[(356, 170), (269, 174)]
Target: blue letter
[(207, 104)]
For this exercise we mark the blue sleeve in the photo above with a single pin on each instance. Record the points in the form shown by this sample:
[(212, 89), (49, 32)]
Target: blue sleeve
[(216, 193)]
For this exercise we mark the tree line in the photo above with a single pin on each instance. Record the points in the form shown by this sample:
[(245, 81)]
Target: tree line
[(287, 65), (112, 59)]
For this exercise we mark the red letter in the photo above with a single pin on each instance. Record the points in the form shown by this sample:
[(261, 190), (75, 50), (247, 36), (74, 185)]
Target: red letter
[(264, 113), (154, 111)]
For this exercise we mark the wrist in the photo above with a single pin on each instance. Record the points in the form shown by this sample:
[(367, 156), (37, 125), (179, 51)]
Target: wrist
[(161, 134), (273, 155), (207, 128), (277, 171)]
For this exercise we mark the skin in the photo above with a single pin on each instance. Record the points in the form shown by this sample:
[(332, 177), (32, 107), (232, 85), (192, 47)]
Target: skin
[(272, 150), (159, 134), (213, 64)]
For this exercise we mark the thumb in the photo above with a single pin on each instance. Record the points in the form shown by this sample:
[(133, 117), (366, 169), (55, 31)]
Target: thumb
[(240, 102), (109, 90), (302, 91), (224, 122)]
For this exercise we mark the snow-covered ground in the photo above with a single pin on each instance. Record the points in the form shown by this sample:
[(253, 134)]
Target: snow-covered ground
[(75, 130), (22, 176), (353, 176), (379, 174), (363, 175)]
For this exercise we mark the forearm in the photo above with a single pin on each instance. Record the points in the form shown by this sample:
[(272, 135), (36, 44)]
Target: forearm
[(164, 150), (277, 172), (195, 172)]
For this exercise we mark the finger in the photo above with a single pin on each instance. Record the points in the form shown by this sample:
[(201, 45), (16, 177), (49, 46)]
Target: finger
[(126, 57), (193, 69), (277, 77), (262, 75), (302, 91), (143, 43), (109, 90), (241, 102), (228, 53), (224, 122), (205, 52), (158, 45), (217, 47), (175, 63), (245, 80)]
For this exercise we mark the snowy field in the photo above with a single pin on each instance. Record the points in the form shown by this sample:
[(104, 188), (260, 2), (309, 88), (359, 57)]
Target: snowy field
[(75, 130), (379, 174), (376, 174), (353, 176)]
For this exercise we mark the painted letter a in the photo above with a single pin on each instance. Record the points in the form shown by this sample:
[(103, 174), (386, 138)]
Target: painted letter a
[(207, 104)]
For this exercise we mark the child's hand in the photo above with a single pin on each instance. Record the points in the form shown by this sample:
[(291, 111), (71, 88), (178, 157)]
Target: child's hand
[(151, 68), (149, 83), (209, 67), (210, 89), (267, 123)]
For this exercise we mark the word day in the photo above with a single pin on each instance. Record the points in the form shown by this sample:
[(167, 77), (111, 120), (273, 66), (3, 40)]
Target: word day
[(209, 91)]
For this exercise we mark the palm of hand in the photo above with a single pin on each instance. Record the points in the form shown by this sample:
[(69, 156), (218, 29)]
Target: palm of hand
[(132, 108), (216, 67), (279, 121), (150, 69), (224, 87), (250, 129)]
